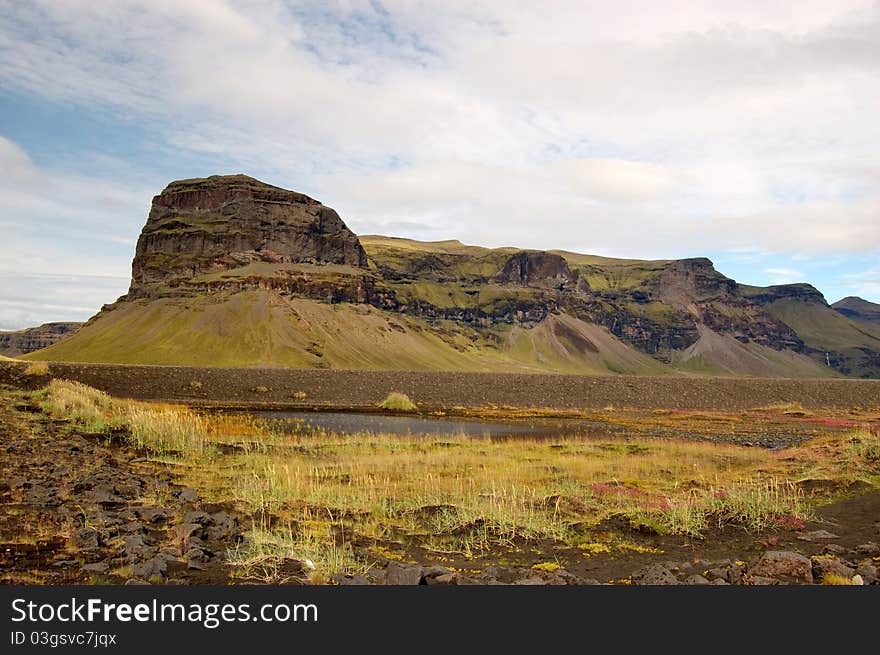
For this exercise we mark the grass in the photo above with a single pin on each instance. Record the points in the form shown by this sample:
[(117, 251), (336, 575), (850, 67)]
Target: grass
[(271, 331), (87, 407), (398, 402), (832, 579), (165, 429), (36, 369), (864, 444), (279, 556), (469, 495), (313, 496), (159, 429)]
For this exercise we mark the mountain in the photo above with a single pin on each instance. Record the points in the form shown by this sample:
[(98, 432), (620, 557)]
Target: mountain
[(860, 310), (231, 271), (28, 340)]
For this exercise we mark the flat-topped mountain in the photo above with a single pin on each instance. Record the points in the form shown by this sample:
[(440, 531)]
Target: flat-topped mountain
[(19, 342), (222, 222), (231, 271)]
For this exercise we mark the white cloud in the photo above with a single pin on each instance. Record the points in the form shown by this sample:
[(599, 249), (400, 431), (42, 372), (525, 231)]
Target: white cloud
[(633, 128), (67, 240), (865, 284), (616, 180), (784, 275)]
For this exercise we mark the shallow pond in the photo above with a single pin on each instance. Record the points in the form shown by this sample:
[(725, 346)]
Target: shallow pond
[(352, 422), (316, 423)]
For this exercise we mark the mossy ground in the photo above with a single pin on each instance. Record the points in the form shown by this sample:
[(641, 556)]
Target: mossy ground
[(347, 501)]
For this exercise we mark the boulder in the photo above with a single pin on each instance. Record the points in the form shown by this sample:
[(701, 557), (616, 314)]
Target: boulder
[(97, 567), (785, 566), (654, 574), (402, 574), (825, 564), (85, 539), (531, 581), (762, 581), (187, 495), (135, 548), (150, 568), (868, 570), (443, 579)]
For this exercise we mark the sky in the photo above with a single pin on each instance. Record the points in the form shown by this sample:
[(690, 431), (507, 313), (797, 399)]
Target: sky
[(743, 131)]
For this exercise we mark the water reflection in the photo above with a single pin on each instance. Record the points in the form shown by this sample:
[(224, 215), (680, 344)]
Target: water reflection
[(352, 423)]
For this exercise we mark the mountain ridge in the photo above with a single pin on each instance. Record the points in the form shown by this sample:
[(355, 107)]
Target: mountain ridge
[(281, 274)]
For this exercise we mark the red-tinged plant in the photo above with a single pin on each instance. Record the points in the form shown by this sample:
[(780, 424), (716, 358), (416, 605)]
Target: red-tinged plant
[(789, 522)]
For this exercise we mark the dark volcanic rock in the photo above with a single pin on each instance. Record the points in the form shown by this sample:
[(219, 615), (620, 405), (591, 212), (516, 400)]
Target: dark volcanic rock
[(85, 539), (654, 574), (799, 291), (537, 269), (695, 278), (784, 565), (825, 564), (222, 222), (402, 574)]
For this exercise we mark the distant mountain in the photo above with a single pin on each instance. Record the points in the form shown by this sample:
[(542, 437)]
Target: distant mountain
[(24, 341), (859, 310), (231, 271)]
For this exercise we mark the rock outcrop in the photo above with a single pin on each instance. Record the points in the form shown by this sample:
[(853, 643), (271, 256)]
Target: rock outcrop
[(25, 341), (800, 291), (225, 222), (536, 269)]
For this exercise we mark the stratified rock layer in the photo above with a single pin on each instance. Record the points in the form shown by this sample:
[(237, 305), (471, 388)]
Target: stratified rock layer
[(218, 223), (20, 342)]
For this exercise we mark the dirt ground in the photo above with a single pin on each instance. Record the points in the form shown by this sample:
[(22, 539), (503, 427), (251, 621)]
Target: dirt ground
[(315, 388)]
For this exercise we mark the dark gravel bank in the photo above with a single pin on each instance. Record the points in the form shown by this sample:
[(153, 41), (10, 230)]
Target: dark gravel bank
[(317, 388)]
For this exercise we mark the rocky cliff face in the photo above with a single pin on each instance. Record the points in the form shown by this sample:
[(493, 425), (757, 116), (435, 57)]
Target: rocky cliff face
[(766, 295), (234, 233), (538, 269), (21, 342), (219, 223)]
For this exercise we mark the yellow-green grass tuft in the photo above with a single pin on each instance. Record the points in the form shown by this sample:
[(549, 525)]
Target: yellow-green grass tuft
[(834, 580), (161, 429), (87, 407), (36, 369), (398, 402)]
